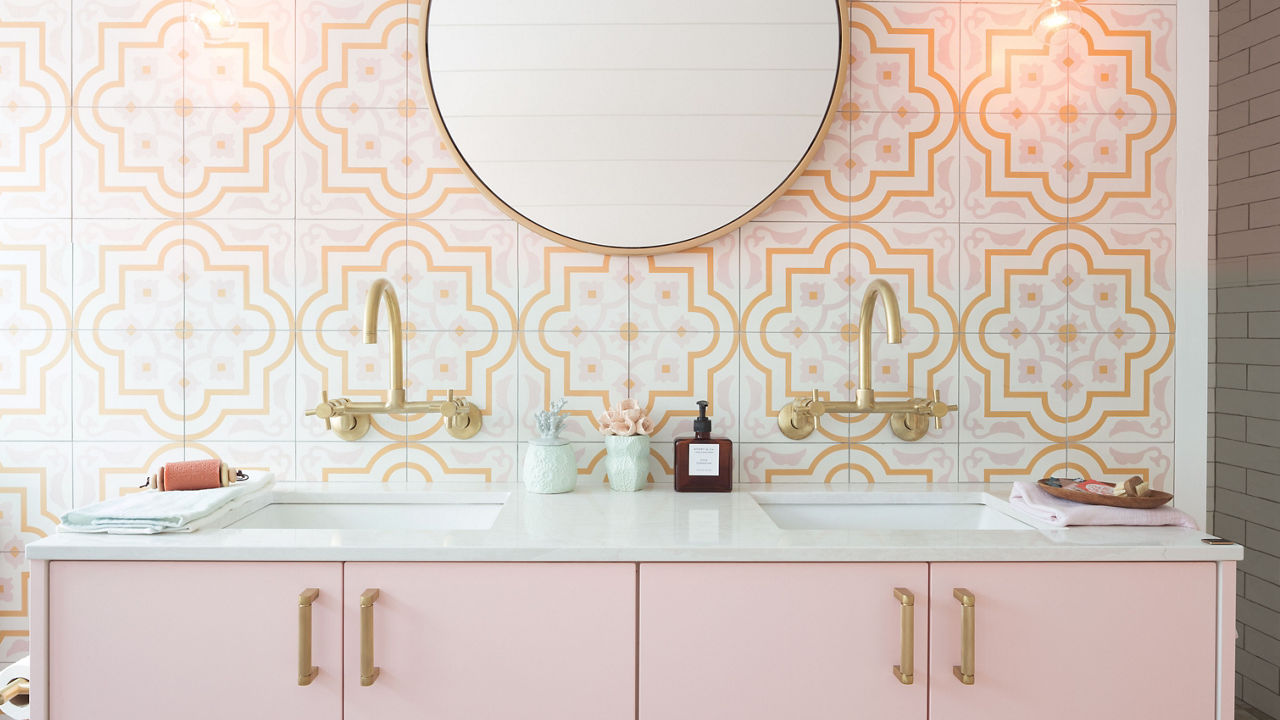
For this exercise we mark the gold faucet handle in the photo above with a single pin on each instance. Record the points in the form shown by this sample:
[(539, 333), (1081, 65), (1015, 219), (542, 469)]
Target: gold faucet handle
[(327, 410), (450, 407), (812, 405), (939, 409)]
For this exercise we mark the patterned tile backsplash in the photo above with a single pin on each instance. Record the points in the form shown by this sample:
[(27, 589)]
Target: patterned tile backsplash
[(190, 228)]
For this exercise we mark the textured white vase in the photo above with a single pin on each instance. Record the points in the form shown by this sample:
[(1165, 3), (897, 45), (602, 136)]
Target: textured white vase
[(627, 461), (550, 466)]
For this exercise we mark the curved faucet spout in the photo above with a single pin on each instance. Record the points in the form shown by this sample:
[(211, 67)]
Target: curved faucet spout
[(381, 289), (893, 321)]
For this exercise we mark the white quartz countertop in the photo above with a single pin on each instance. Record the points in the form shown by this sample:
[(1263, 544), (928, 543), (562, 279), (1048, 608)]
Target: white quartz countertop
[(654, 525)]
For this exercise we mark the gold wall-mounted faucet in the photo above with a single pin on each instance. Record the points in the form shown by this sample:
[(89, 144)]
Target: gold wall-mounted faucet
[(350, 419), (909, 419)]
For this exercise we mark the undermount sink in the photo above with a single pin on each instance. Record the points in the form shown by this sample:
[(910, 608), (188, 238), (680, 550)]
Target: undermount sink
[(823, 511), (438, 513)]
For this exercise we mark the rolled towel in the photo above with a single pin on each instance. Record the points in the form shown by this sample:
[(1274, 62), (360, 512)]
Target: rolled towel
[(1040, 505), (152, 511)]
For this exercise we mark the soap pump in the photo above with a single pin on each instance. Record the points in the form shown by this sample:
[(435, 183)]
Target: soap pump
[(704, 463)]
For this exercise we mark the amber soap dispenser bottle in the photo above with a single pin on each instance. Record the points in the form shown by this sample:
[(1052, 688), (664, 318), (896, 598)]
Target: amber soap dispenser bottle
[(704, 463)]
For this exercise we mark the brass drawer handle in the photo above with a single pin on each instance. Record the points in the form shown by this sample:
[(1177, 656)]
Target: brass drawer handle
[(964, 671), (368, 673), (906, 671), (306, 671)]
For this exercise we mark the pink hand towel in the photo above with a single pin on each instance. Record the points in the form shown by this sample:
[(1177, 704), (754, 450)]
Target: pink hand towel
[(1039, 504)]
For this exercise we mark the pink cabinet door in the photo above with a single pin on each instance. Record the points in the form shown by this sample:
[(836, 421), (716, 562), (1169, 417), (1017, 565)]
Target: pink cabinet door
[(191, 640), (1063, 641), (764, 641), (478, 641)]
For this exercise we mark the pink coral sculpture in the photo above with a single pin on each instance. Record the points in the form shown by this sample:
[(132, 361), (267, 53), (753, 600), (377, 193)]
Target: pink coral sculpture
[(625, 419)]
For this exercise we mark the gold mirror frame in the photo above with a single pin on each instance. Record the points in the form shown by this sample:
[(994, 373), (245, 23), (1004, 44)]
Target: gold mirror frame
[(837, 93)]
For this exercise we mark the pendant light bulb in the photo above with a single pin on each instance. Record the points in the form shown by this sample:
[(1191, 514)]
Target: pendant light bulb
[(1055, 19)]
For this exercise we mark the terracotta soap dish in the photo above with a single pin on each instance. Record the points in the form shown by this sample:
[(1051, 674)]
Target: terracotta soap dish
[(1069, 491)]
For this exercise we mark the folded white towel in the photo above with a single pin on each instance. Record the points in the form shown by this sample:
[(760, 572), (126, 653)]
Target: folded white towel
[(1039, 504), (152, 511)]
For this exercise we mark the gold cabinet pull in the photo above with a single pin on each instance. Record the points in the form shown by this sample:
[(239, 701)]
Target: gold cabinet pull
[(368, 673), (306, 671), (964, 671), (906, 671)]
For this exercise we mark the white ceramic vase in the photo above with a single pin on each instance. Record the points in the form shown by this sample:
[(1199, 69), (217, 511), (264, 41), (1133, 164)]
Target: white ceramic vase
[(550, 466), (627, 461)]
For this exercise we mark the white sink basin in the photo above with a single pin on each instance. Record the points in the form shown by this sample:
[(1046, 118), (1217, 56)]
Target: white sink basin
[(437, 514), (792, 511)]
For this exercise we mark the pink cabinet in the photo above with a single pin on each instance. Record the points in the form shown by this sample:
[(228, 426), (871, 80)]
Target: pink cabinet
[(480, 641), (191, 640), (1062, 641), (762, 641)]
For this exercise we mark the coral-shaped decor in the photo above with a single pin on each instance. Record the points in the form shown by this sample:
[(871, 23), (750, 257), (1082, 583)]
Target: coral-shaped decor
[(625, 419)]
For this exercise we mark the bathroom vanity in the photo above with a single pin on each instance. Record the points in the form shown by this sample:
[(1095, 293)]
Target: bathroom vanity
[(485, 602)]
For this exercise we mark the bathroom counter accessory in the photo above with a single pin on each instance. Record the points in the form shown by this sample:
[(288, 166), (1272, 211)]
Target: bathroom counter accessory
[(659, 525)]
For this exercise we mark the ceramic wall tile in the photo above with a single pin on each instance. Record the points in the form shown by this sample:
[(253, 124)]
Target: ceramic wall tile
[(1012, 462), (437, 187), (240, 53), (482, 366), (905, 166), (466, 461), (588, 368), (338, 261), (129, 274), (353, 52), (35, 155), (917, 462), (692, 291), (905, 56), (1123, 278), (240, 274), (1014, 279), (238, 385), (776, 368), (462, 276), (1121, 387), (35, 385), (562, 289), (128, 53), (128, 161), (36, 66), (382, 461), (1006, 66), (238, 162), (35, 275), (793, 462), (796, 277), (129, 384), (1123, 59), (1014, 387), (352, 162), (670, 372), (1122, 168), (35, 490)]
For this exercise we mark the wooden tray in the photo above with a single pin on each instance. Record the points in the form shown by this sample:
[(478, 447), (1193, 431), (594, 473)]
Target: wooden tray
[(1146, 502)]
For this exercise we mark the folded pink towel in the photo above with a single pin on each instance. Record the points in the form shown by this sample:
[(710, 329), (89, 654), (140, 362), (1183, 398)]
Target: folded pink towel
[(1039, 504)]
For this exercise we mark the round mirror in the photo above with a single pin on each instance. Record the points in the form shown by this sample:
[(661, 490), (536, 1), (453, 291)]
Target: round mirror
[(633, 126)]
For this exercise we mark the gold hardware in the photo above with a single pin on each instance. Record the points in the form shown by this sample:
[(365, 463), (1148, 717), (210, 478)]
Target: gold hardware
[(906, 671), (909, 419), (965, 670), (306, 671), (368, 673), (16, 693), (462, 418)]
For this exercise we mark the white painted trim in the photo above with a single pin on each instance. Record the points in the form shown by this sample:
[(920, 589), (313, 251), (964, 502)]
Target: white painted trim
[(1191, 312)]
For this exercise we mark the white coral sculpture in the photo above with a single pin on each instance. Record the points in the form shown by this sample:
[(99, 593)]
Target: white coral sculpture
[(626, 418), (551, 422)]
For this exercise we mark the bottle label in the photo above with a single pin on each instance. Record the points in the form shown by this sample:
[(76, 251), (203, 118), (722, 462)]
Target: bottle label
[(704, 460)]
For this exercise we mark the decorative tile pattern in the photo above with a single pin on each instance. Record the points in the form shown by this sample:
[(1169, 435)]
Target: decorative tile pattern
[(192, 222)]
